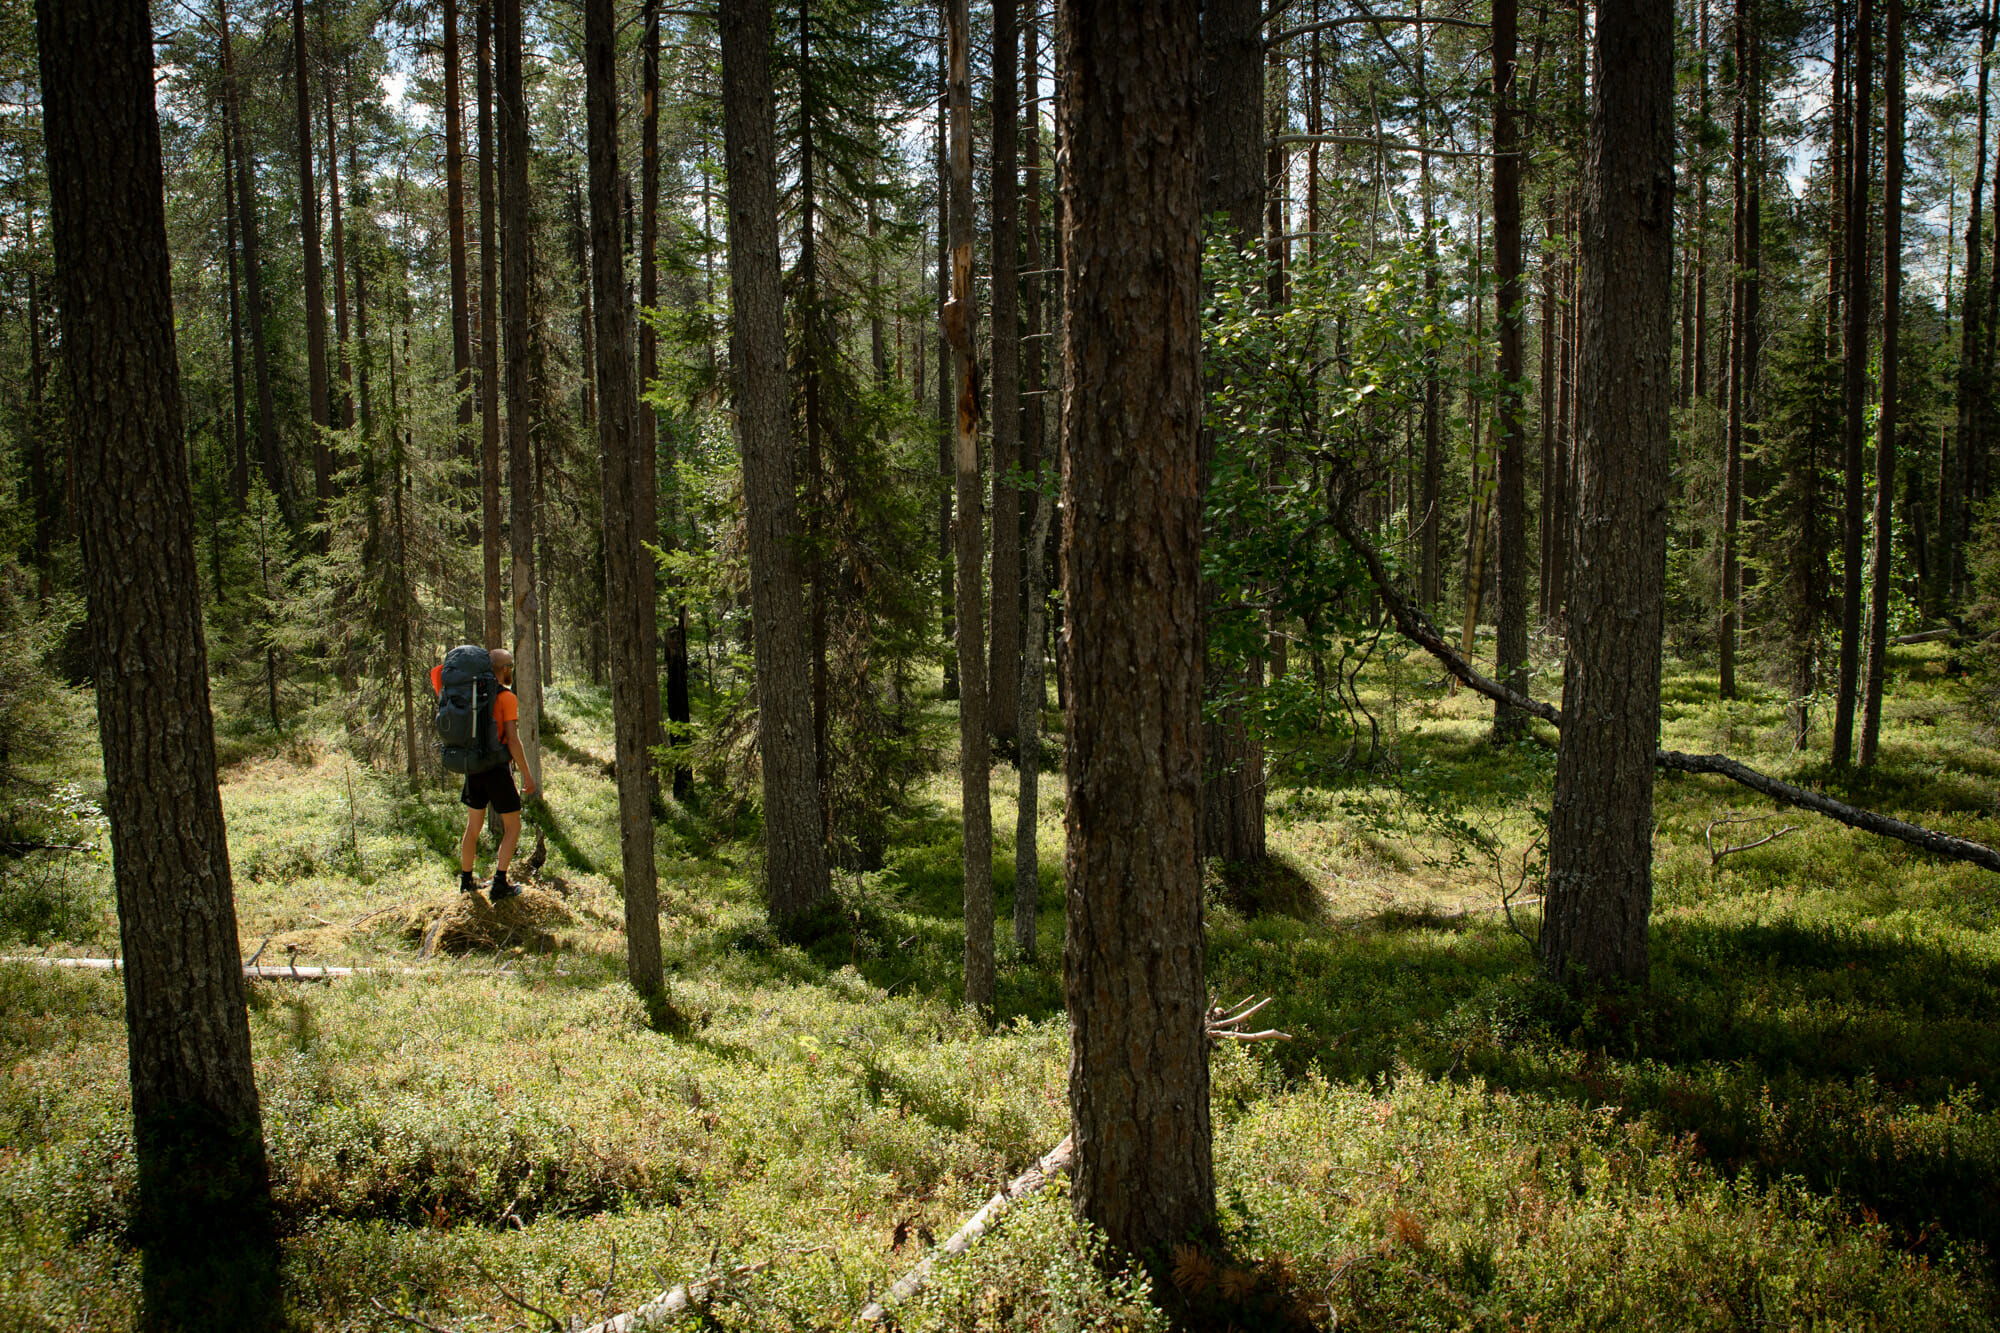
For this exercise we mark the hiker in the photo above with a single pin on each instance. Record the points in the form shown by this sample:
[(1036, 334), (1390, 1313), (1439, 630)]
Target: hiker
[(492, 784)]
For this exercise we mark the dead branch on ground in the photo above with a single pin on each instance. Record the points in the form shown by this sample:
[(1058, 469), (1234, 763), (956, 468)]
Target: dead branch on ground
[(1416, 627)]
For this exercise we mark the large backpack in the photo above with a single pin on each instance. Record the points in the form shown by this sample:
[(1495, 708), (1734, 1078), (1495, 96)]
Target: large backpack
[(465, 727)]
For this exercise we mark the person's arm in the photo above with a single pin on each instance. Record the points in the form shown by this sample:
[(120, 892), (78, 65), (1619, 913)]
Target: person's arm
[(510, 733)]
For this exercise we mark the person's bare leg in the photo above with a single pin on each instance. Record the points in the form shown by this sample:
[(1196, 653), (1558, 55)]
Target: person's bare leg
[(510, 833), (468, 846)]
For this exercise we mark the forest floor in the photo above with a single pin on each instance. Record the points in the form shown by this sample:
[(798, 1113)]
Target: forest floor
[(1795, 1127)]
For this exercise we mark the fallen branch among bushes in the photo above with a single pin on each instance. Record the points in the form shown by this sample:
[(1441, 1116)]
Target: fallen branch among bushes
[(1416, 627), (1055, 1161)]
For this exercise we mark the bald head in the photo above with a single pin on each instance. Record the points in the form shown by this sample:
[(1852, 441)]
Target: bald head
[(503, 664)]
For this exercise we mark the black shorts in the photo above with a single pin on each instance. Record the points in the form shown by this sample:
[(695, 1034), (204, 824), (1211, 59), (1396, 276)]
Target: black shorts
[(494, 787)]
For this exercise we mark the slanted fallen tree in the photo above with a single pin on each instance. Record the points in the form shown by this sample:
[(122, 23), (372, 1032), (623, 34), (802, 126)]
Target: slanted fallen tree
[(1416, 627)]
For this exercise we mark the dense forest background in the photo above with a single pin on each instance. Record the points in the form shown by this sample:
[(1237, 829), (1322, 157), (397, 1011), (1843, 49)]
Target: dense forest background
[(335, 214), (785, 384)]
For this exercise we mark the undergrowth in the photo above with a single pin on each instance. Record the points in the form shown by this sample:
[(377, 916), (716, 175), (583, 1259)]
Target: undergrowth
[(1791, 1128)]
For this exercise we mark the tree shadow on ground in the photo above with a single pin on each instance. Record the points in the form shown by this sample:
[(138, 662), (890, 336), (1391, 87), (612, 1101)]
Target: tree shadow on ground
[(1849, 1059)]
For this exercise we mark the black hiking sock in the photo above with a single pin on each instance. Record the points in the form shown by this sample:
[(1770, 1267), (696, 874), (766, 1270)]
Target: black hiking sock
[(466, 883)]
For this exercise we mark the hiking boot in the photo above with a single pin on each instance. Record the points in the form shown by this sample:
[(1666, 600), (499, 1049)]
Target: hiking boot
[(466, 883), (500, 890)]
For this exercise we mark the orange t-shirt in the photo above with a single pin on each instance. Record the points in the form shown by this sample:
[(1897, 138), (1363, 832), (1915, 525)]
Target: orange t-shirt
[(506, 708)]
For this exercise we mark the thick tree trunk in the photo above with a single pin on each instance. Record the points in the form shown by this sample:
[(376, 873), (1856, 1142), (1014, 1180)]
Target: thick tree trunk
[(1003, 674), (270, 452), (1883, 534), (489, 336), (314, 275), (617, 430), (1511, 596), (960, 320), (1855, 389), (1133, 956), (203, 1220), (515, 243), (794, 850), (1600, 879)]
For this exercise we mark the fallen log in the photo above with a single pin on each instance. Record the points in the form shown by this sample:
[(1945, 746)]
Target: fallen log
[(271, 971), (1055, 1161), (1416, 626)]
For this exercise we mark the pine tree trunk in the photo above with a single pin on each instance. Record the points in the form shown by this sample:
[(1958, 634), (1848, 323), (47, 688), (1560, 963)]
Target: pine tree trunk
[(1133, 955), (1699, 152), (343, 416), (960, 319), (647, 466), (315, 275), (1546, 371), (489, 337), (1003, 675), (947, 592), (794, 850), (617, 431), (1511, 596), (1883, 535), (1599, 892), (1739, 342), (203, 1216), (454, 215), (1855, 389), (1233, 150), (520, 411), (239, 472), (1952, 495), (1033, 692), (271, 453)]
